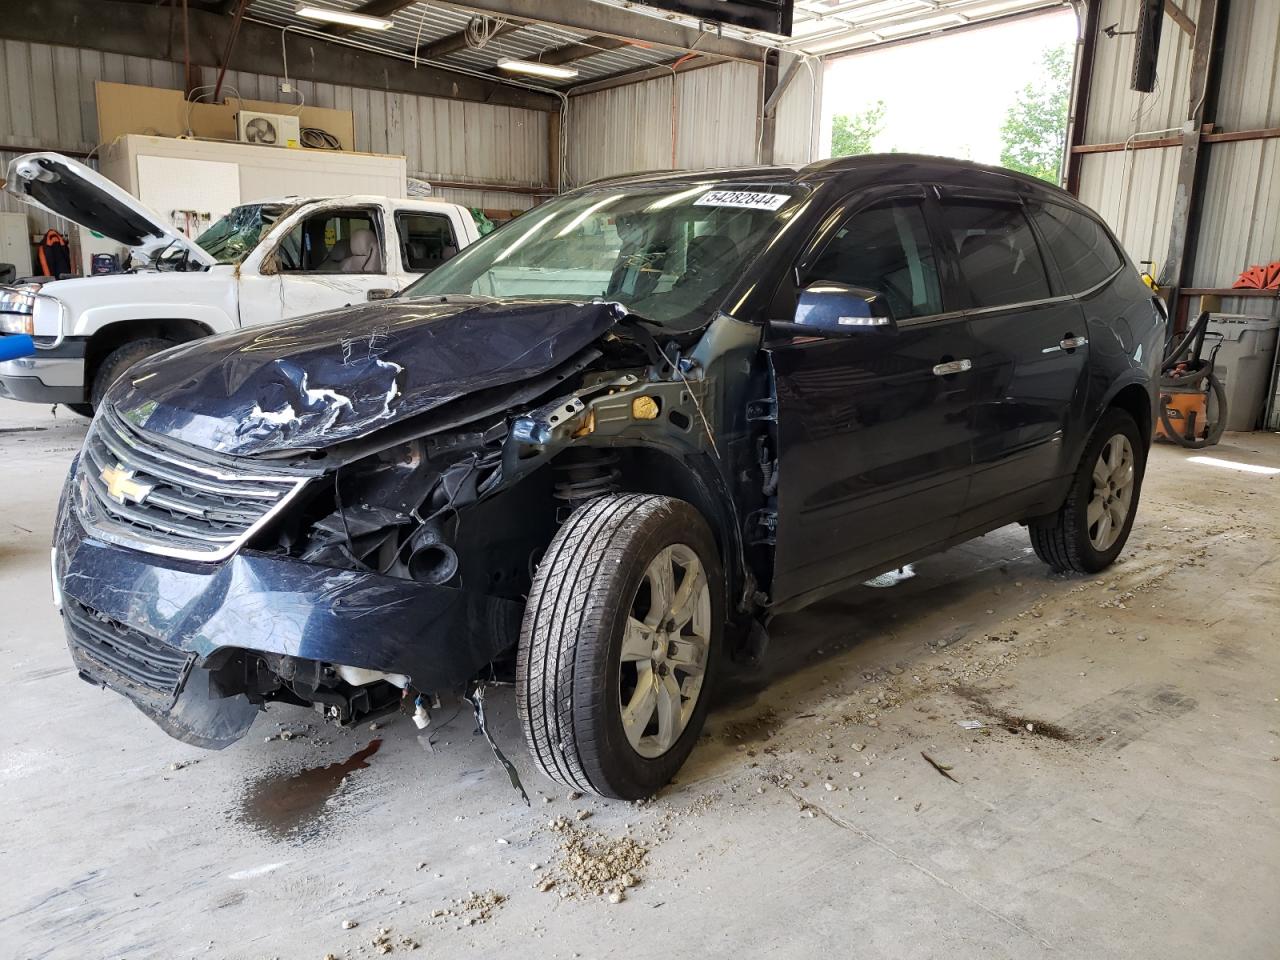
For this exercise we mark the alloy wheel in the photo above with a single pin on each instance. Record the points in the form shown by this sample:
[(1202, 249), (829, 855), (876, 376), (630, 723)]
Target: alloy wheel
[(664, 650), (1112, 497)]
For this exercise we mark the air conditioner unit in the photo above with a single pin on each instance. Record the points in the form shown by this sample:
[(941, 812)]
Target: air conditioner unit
[(269, 129)]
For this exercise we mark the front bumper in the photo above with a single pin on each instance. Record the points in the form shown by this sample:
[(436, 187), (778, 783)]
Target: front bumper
[(139, 623), (49, 376)]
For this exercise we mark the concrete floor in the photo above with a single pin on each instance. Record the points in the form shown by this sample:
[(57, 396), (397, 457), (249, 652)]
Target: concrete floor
[(1152, 830)]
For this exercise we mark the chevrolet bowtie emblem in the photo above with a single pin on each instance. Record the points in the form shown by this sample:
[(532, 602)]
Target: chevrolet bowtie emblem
[(121, 487)]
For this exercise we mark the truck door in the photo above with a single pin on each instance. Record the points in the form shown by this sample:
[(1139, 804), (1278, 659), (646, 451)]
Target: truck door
[(873, 435), (328, 258)]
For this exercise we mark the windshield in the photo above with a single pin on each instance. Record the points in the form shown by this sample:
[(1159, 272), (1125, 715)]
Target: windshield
[(666, 252), (230, 239)]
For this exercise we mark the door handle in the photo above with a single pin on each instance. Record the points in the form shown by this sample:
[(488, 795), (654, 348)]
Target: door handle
[(384, 293), (952, 366), (1066, 343)]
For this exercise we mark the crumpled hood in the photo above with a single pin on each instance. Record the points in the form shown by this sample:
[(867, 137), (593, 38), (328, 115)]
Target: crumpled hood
[(319, 380)]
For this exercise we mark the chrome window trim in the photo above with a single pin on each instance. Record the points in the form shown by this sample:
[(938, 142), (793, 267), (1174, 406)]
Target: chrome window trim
[(1061, 298), (1022, 305), (983, 311), (929, 318)]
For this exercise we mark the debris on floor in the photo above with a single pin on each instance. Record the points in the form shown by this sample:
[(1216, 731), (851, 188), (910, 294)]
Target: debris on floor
[(1012, 722), (593, 863), (476, 697), (474, 908), (941, 768)]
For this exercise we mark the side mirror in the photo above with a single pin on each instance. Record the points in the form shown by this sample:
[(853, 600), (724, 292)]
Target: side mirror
[(834, 309)]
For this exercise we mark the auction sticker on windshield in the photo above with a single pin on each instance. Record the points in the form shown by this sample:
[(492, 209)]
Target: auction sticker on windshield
[(742, 198)]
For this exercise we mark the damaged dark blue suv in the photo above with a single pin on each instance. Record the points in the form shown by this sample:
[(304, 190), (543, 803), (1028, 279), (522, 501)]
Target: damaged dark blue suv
[(596, 451)]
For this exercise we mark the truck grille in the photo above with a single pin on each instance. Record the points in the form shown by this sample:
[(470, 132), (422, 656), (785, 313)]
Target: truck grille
[(108, 652), (137, 492)]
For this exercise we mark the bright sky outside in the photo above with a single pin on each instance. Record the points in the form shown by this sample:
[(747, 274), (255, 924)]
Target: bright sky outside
[(948, 95)]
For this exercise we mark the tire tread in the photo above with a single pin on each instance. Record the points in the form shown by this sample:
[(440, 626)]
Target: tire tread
[(571, 605), (1057, 539)]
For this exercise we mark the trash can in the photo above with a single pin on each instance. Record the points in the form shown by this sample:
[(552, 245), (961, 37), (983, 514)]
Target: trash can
[(1244, 364)]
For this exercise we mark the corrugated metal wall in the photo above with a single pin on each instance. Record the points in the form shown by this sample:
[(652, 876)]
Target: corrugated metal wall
[(501, 144), (47, 101), (1240, 225), (620, 130), (629, 128), (795, 140), (1134, 189)]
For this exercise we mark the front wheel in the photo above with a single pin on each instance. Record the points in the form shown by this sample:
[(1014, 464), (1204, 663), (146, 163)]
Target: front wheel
[(1090, 529), (618, 645), (119, 360)]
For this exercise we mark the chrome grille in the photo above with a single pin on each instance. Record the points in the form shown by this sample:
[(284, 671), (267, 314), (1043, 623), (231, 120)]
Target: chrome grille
[(137, 492)]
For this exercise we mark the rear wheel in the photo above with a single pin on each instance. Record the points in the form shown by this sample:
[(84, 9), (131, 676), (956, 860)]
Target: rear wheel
[(618, 645), (119, 360), (1090, 529)]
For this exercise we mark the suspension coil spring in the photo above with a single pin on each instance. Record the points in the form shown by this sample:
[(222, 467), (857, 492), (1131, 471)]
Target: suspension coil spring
[(585, 474)]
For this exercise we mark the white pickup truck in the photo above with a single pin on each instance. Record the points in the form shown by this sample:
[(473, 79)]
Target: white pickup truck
[(263, 262)]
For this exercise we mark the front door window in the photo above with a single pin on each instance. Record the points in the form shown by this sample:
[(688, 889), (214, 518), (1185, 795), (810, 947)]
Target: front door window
[(333, 241), (885, 248)]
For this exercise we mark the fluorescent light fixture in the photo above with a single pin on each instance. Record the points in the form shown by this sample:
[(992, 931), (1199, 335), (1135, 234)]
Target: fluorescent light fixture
[(537, 69), (329, 15), (1236, 465)]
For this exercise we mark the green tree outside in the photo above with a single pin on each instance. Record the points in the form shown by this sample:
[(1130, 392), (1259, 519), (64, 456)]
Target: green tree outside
[(852, 134), (1034, 131)]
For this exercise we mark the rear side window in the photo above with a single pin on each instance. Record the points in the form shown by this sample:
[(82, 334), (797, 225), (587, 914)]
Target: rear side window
[(885, 248), (1084, 253), (426, 240), (997, 252)]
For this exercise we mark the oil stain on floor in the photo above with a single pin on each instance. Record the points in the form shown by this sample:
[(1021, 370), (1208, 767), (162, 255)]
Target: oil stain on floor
[(294, 806)]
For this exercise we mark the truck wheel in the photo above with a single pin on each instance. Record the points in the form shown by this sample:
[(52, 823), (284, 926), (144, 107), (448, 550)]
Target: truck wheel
[(121, 359), (618, 645), (1090, 529)]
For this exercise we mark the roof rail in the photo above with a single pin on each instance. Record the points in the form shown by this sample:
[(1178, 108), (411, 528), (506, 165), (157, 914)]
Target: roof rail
[(718, 172)]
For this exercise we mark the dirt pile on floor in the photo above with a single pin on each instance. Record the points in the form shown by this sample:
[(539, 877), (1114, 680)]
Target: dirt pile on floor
[(593, 863)]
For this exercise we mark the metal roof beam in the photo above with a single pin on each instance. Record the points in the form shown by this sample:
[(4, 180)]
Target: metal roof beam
[(458, 41), (638, 75), (142, 31), (579, 51), (599, 20)]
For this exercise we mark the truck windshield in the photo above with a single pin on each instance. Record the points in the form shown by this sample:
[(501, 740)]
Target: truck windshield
[(666, 252), (230, 239)]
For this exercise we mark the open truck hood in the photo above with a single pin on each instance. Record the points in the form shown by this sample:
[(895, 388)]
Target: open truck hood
[(314, 382), (72, 191)]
